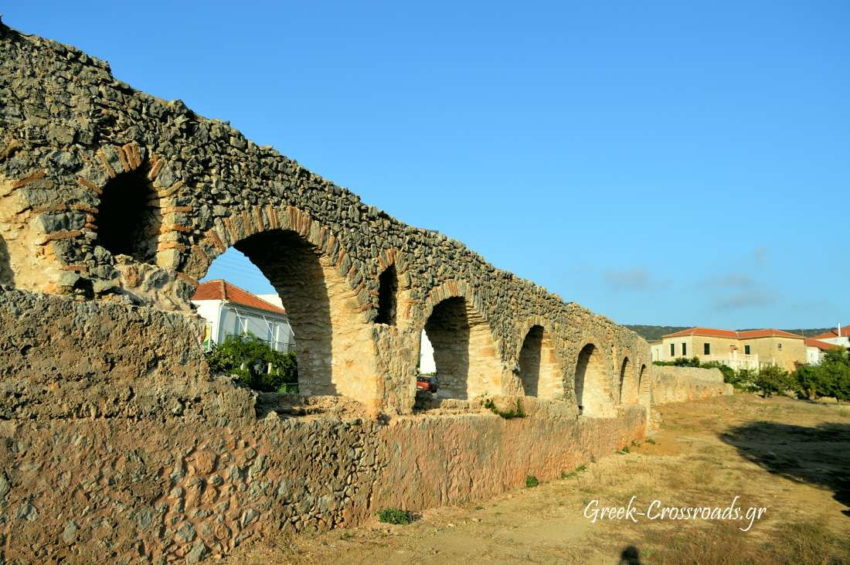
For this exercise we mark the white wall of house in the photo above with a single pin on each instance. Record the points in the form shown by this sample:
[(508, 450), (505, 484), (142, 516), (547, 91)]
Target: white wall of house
[(228, 318), (656, 349), (842, 341), (813, 355), (426, 356)]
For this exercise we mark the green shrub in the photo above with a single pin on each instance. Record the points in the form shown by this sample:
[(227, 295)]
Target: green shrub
[(679, 362), (531, 481), (257, 365), (395, 516), (830, 378), (773, 379), (518, 412)]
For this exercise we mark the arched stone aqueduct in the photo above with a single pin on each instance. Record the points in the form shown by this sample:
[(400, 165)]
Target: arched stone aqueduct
[(109, 194)]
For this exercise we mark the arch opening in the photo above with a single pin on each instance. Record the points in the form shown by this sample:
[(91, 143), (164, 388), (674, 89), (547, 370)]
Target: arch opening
[(529, 360), (465, 355), (387, 297), (624, 380), (333, 343), (644, 392), (538, 367), (590, 378), (129, 219)]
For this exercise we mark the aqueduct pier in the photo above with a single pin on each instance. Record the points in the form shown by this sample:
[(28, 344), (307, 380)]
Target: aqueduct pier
[(117, 440)]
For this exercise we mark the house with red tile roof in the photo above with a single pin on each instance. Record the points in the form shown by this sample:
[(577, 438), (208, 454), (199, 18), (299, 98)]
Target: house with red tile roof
[(230, 310), (839, 336), (749, 349)]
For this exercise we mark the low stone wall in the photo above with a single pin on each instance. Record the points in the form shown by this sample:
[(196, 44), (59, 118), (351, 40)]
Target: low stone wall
[(681, 384), (128, 491), (116, 444)]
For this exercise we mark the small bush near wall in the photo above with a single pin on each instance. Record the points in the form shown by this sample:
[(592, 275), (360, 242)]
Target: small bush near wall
[(395, 516), (257, 365)]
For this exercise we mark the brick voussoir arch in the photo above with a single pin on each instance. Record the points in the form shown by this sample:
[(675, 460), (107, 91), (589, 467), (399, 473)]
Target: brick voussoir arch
[(469, 358), (550, 367), (387, 258), (593, 379), (230, 230), (325, 295)]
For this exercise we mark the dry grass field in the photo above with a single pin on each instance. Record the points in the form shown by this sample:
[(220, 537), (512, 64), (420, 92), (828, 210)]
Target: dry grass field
[(790, 457)]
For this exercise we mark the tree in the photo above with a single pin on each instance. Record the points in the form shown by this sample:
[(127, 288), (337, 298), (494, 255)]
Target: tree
[(257, 365), (773, 379), (835, 369), (810, 381), (830, 378)]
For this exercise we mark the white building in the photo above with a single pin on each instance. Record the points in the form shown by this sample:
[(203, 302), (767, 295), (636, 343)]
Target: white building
[(230, 310), (815, 350), (839, 336)]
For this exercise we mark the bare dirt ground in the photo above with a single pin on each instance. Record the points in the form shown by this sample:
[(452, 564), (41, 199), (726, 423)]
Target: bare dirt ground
[(788, 456)]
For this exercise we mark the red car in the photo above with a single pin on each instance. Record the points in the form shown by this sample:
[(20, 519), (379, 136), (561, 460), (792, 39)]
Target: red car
[(426, 384)]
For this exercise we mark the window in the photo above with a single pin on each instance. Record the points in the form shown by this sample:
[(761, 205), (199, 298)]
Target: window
[(672, 350), (706, 349), (779, 346), (684, 349), (746, 350)]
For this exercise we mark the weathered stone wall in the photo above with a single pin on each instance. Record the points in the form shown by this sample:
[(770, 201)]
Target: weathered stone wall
[(111, 195), (682, 384), (117, 445)]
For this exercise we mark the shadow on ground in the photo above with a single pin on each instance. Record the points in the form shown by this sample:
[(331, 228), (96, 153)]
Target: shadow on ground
[(815, 455)]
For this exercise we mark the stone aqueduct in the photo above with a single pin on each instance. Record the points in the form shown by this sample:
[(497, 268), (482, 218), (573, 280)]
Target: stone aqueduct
[(116, 442), (110, 195)]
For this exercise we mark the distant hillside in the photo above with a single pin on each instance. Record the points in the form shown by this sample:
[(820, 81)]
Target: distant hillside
[(651, 333)]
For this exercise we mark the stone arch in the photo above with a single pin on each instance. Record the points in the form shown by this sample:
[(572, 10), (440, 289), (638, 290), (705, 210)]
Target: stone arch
[(129, 217), (135, 211), (387, 297), (592, 382), (311, 272), (644, 386), (627, 383), (465, 353), (539, 369), (393, 284)]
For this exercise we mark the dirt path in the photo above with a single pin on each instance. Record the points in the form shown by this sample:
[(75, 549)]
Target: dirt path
[(790, 457)]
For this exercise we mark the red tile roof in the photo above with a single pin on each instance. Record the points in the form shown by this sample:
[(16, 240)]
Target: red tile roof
[(810, 342), (767, 333), (845, 332), (707, 332), (731, 334), (223, 290)]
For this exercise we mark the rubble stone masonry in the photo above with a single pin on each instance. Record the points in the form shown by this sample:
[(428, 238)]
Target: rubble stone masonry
[(115, 440)]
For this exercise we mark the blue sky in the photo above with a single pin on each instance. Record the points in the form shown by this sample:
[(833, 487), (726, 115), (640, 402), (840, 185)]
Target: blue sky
[(658, 162)]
